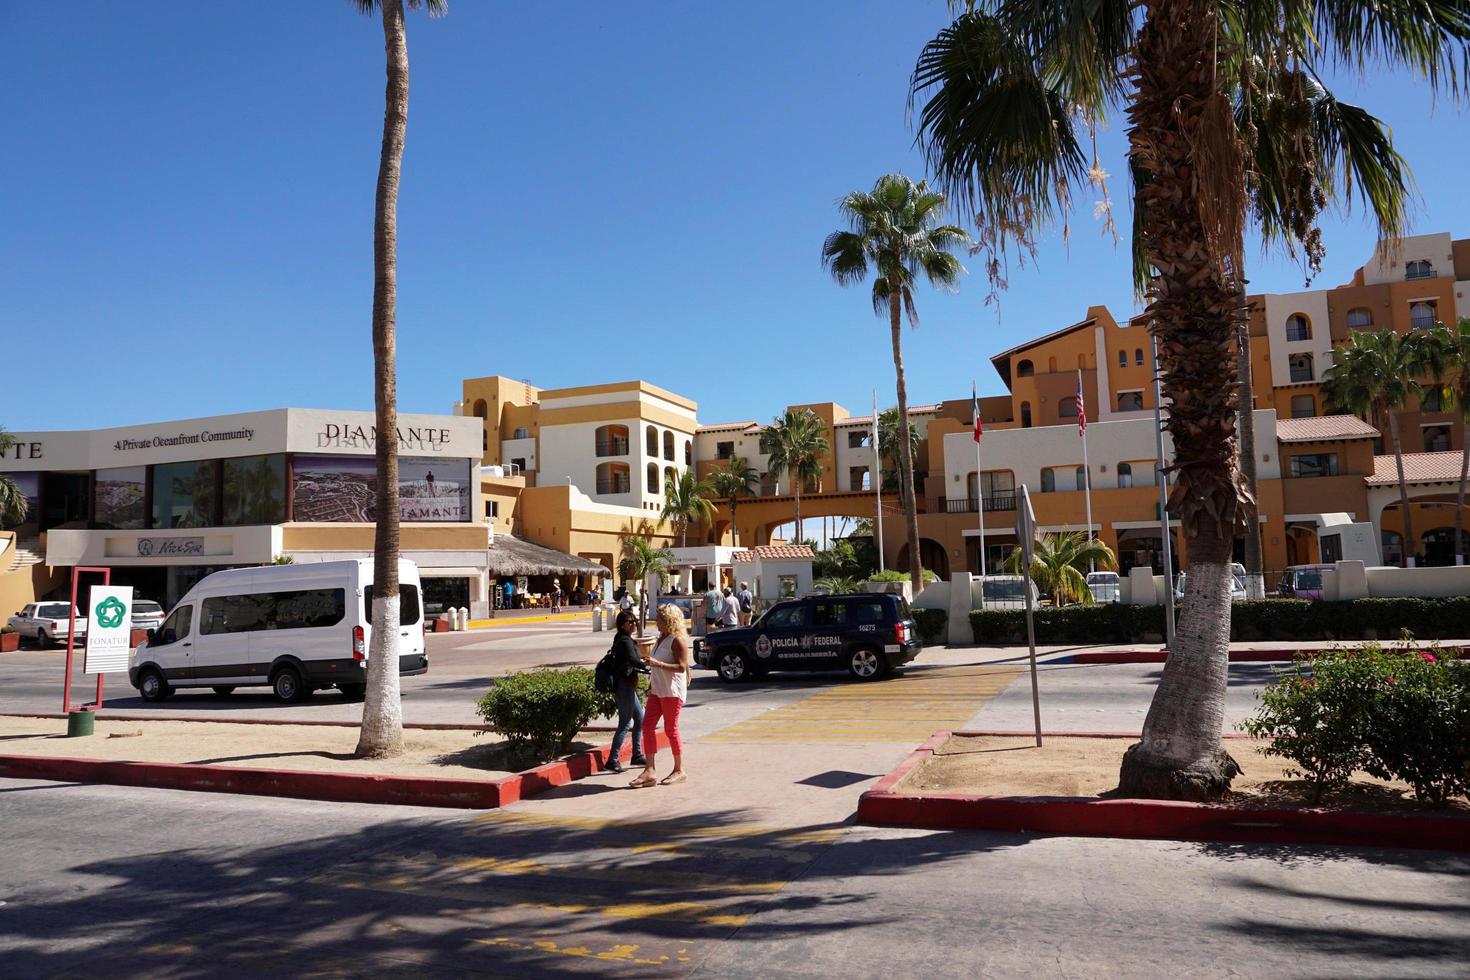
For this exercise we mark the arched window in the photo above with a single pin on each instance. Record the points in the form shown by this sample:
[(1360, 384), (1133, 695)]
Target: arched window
[(668, 445), (653, 478), (481, 409), (688, 453), (1080, 474), (651, 442), (1360, 318), (1138, 357), (1130, 401), (1300, 366), (521, 434), (1122, 358), (1423, 315), (611, 440), (1024, 369), (670, 474), (1025, 415), (1051, 364), (1125, 475), (613, 478), (1067, 408), (1303, 407), (1298, 327), (1048, 480), (1418, 269)]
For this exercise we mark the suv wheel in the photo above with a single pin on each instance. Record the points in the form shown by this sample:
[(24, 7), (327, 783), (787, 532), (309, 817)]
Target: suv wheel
[(731, 666), (865, 664)]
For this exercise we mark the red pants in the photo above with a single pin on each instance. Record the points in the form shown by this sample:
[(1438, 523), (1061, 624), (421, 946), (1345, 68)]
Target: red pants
[(668, 709)]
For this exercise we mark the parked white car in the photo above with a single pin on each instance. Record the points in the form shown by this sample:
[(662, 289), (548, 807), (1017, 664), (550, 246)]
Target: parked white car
[(1007, 592), (1104, 587), (147, 614), (47, 623), (1237, 587)]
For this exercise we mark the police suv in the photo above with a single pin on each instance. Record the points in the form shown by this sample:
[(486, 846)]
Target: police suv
[(869, 635)]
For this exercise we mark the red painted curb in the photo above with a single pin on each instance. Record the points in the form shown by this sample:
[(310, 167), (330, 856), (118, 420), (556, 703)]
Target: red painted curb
[(1150, 819), (216, 719), (477, 794)]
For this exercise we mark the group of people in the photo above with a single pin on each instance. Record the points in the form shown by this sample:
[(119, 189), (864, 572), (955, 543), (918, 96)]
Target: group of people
[(668, 667), (725, 608)]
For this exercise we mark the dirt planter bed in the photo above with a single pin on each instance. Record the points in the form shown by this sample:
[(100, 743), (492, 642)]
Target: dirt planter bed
[(440, 768), (1052, 797)]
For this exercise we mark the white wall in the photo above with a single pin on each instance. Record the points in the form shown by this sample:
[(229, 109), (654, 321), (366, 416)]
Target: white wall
[(1313, 305), (1387, 263), (1419, 583), (845, 457)]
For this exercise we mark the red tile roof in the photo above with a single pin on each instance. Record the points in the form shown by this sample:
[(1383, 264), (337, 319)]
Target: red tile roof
[(1418, 468), (720, 426), (776, 552), (1324, 428)]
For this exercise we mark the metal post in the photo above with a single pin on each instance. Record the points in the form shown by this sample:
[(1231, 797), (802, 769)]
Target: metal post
[(979, 480), (878, 482), (1025, 534), (1163, 501), (1086, 474), (72, 634)]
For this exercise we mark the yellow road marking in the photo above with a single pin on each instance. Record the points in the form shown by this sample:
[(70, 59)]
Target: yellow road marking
[(621, 953)]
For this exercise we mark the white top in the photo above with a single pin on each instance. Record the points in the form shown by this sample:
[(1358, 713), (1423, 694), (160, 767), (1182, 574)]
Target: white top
[(731, 614), (667, 683)]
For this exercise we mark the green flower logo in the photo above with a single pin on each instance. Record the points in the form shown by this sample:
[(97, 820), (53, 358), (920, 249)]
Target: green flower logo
[(110, 613)]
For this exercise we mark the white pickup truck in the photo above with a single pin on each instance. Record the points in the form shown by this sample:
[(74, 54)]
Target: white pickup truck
[(47, 622)]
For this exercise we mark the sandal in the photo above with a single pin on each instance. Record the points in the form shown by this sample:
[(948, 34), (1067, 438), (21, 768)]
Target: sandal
[(672, 778), (642, 782)]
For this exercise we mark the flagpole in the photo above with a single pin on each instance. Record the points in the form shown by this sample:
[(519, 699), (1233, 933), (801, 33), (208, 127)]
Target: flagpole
[(1086, 469), (979, 477), (878, 481)]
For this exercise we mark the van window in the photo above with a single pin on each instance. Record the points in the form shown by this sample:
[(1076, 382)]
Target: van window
[(1309, 579), (298, 609), (408, 604), (176, 628)]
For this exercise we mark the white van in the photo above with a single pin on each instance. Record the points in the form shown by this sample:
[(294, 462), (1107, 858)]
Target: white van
[(295, 628)]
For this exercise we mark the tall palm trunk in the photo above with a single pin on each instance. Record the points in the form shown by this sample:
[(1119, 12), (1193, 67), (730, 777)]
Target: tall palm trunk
[(796, 491), (1398, 462), (382, 711), (1254, 573), (1192, 310), (1460, 497), (905, 445), (734, 528)]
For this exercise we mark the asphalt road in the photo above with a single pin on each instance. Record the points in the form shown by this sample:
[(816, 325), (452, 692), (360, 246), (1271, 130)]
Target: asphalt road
[(168, 884)]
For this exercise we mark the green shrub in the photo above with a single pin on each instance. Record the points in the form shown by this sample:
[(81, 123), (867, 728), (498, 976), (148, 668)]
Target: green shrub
[(894, 575), (1103, 623), (541, 711), (931, 624), (1317, 714), (7, 628), (1420, 730)]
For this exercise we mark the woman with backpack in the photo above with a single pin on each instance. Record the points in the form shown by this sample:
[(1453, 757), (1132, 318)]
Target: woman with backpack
[(625, 666)]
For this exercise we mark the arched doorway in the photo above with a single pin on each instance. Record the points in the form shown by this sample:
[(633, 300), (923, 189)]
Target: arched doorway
[(1438, 546)]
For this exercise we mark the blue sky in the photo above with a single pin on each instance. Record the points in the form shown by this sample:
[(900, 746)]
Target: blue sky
[(590, 193)]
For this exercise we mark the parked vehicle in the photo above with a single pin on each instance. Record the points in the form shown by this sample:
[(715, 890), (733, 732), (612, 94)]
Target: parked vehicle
[(1303, 582), (147, 614), (48, 623), (1237, 587), (295, 628), (1104, 587), (1007, 592), (870, 635)]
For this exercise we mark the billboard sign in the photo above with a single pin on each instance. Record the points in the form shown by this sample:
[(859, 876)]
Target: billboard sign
[(109, 627)]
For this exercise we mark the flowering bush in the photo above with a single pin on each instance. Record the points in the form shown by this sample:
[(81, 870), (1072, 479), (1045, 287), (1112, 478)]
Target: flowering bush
[(1393, 714)]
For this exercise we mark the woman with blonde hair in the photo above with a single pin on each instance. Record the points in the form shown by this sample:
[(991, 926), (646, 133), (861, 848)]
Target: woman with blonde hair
[(668, 685)]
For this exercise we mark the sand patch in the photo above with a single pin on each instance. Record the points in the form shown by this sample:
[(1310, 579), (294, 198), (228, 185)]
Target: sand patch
[(1088, 767)]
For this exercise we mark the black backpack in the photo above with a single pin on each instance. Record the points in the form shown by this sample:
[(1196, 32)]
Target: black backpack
[(605, 677)]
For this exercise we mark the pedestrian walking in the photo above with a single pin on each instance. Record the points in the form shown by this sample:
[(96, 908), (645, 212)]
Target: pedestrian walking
[(730, 614), (668, 685), (556, 595), (747, 603), (713, 606), (628, 667), (626, 603)]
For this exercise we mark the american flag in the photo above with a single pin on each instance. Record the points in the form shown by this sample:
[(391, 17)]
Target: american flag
[(1081, 408)]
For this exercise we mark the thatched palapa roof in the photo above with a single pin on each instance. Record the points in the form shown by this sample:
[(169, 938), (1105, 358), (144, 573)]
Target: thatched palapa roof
[(510, 555)]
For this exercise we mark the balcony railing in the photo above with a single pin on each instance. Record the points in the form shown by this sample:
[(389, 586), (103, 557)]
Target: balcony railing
[(1421, 272), (612, 447), (614, 486), (969, 505), (1299, 374)]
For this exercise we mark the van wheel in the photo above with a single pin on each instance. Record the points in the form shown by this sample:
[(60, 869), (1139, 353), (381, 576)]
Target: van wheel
[(224, 690), (352, 692), (152, 686), (288, 686), (732, 667), (865, 664)]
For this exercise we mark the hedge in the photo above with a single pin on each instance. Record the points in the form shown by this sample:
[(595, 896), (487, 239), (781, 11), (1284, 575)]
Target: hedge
[(931, 624), (1254, 619), (541, 711)]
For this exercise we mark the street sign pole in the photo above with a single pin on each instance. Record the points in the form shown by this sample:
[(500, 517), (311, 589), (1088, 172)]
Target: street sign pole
[(1025, 536), (71, 639)]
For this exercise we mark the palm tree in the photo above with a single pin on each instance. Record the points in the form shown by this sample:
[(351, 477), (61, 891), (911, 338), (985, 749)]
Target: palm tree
[(12, 499), (1227, 123), (1060, 563), (728, 483), (382, 711), (897, 228), (1454, 349), (686, 500), (890, 447), (1373, 376), (641, 559), (794, 445)]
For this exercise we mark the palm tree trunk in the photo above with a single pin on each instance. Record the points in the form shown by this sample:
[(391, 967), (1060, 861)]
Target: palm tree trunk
[(796, 491), (905, 445), (1254, 573), (1192, 310), (382, 711), (734, 528), (1398, 461), (1460, 498)]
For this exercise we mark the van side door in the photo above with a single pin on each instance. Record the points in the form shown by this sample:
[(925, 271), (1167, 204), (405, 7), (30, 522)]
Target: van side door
[(172, 646), (222, 651)]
